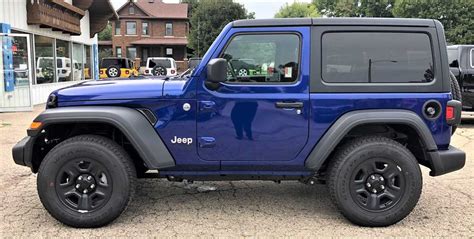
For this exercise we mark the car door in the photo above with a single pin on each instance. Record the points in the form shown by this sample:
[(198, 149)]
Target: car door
[(263, 116)]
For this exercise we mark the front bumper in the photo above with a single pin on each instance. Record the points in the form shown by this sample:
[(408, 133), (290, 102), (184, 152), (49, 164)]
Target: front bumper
[(446, 161), (23, 151)]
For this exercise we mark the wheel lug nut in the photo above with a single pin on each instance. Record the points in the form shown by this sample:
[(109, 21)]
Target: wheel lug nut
[(80, 178), (381, 178), (89, 177), (382, 187), (85, 191), (77, 185), (92, 186), (374, 190), (368, 185), (372, 177)]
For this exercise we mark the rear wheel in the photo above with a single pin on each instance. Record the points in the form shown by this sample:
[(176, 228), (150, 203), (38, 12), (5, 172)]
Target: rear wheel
[(86, 181), (374, 181)]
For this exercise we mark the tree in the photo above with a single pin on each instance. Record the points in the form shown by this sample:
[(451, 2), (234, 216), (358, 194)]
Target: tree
[(209, 18), (297, 9), (106, 34), (192, 4), (355, 8), (457, 16)]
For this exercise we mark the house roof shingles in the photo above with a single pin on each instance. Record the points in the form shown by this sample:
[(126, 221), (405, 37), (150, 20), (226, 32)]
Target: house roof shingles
[(159, 9)]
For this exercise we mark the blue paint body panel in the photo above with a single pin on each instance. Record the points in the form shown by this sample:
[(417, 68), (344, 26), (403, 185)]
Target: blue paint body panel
[(237, 129)]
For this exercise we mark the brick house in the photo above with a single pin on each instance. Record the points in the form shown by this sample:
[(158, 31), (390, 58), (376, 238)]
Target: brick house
[(151, 28)]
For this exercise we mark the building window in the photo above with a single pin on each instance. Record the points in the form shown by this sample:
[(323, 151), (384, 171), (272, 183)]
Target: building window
[(169, 29), (131, 28), (77, 61), (145, 29), (131, 52), (131, 10), (117, 28), (376, 57), (63, 61), (169, 51), (88, 62), (118, 51), (44, 54)]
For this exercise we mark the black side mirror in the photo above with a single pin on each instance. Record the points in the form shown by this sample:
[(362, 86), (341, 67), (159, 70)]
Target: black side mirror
[(217, 70)]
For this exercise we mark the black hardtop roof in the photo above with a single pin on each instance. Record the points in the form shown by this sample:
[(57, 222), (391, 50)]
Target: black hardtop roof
[(355, 21)]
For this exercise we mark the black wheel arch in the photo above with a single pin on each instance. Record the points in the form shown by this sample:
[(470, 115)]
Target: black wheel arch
[(130, 123), (398, 120)]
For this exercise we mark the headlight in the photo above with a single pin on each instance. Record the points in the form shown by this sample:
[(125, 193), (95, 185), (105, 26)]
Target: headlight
[(52, 101)]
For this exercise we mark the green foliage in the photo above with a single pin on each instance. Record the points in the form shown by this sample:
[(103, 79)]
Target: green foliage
[(457, 16), (355, 8), (297, 9), (106, 34), (209, 18)]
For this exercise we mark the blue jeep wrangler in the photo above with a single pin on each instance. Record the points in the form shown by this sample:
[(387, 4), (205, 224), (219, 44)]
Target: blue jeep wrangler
[(357, 104)]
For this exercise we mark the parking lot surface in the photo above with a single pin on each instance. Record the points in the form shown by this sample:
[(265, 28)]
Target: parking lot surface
[(234, 209)]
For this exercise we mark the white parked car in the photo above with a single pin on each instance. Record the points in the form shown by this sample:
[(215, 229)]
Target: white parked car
[(161, 66), (44, 69)]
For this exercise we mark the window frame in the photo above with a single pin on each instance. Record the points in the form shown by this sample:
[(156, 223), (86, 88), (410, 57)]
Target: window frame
[(119, 28), (438, 84), (147, 26), (131, 10), (369, 80), (116, 51), (300, 44), (166, 29), (126, 28)]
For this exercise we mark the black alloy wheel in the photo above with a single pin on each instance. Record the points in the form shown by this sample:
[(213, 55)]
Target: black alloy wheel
[(84, 185), (377, 184)]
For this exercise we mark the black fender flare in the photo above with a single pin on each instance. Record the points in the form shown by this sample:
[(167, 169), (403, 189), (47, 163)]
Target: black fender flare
[(350, 120), (133, 124)]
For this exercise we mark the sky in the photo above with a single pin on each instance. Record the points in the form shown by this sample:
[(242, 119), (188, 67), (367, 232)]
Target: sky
[(262, 8)]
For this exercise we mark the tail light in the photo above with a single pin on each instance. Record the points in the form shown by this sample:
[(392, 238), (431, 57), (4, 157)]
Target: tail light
[(450, 113), (453, 112), (127, 72), (147, 71), (270, 70), (173, 71)]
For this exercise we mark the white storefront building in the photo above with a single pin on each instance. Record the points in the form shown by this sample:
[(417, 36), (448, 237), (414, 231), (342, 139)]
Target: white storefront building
[(47, 45)]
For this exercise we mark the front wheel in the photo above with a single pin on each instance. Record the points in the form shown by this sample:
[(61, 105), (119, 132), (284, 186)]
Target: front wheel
[(86, 181), (374, 181)]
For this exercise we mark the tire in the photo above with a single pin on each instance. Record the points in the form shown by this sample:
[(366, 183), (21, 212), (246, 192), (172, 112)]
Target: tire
[(64, 174), (456, 92), (113, 72), (159, 71), (393, 166), (243, 72)]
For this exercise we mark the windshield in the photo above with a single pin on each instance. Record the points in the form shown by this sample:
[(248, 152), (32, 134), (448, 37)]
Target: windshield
[(106, 63), (166, 63)]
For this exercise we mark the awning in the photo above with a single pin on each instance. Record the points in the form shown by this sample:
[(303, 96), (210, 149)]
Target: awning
[(162, 41)]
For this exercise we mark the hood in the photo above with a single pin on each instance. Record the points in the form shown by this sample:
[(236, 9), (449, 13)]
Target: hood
[(112, 90)]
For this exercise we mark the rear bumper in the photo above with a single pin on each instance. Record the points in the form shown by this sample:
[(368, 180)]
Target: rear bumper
[(446, 161), (23, 151)]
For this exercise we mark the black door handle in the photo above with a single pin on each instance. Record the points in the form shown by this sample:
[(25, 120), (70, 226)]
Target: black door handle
[(289, 105)]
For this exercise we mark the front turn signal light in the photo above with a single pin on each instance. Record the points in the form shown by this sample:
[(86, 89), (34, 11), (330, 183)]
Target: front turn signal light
[(35, 125)]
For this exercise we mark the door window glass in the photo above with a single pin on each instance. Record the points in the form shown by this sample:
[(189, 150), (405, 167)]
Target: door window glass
[(270, 58), (44, 54)]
